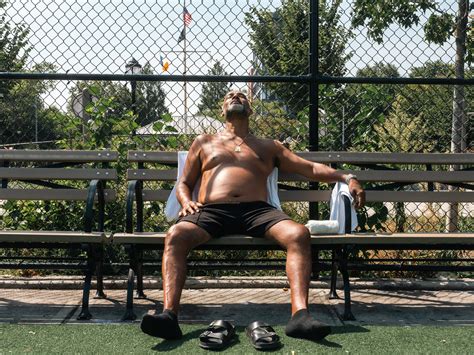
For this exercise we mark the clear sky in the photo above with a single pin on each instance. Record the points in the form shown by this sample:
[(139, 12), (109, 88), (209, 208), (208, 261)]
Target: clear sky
[(100, 36)]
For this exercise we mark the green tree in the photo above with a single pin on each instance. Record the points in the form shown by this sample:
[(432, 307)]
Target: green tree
[(13, 48), (23, 116), (401, 132), (368, 104), (150, 99), (440, 26), (432, 102), (213, 93), (280, 42)]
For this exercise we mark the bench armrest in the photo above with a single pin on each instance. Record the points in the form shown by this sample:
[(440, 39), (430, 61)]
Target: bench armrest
[(95, 186), (134, 193)]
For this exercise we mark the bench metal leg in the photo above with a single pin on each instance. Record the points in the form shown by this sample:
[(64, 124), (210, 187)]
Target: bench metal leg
[(139, 294), (347, 288), (129, 314), (99, 272), (85, 314), (334, 267)]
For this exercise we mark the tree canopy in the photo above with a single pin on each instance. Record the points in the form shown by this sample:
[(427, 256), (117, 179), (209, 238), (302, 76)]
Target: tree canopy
[(280, 42), (213, 93)]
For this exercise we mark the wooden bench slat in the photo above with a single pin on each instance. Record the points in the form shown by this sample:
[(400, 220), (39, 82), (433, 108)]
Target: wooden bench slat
[(20, 236), (152, 157), (337, 239), (371, 196), (57, 174), (397, 176), (307, 196), (362, 175), (419, 196), (158, 239), (52, 194), (401, 239), (59, 155), (152, 174), (336, 157), (389, 158)]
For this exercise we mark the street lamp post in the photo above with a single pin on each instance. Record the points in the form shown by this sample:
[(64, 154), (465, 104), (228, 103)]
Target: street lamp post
[(133, 67)]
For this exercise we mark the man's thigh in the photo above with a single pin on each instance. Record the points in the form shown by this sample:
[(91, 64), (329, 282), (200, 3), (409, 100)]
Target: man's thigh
[(187, 234), (215, 219), (287, 232)]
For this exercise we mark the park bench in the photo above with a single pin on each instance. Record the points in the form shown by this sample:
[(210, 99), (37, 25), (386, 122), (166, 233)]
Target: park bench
[(58, 175), (378, 170)]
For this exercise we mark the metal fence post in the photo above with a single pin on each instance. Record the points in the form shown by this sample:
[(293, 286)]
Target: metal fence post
[(313, 92)]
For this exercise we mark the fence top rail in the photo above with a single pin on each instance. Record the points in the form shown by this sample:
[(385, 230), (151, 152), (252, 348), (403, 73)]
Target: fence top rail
[(334, 157), (76, 156)]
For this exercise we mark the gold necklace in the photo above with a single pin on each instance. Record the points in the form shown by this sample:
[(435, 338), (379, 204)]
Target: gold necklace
[(237, 148)]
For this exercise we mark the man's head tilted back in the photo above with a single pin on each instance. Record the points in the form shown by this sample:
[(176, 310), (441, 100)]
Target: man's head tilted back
[(236, 105)]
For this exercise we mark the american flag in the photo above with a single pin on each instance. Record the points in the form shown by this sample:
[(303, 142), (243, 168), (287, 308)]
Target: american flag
[(186, 16)]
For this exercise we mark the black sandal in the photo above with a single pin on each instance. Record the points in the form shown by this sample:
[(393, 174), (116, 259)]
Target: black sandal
[(218, 335), (262, 336)]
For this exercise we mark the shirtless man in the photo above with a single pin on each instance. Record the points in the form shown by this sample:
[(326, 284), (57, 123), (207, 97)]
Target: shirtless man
[(234, 166)]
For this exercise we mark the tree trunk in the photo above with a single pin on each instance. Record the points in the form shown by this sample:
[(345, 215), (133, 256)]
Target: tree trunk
[(458, 141)]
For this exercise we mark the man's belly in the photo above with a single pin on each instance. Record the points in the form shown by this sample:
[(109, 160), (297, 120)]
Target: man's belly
[(233, 184)]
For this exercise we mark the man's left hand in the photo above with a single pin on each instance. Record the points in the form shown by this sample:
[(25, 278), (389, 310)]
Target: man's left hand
[(357, 193)]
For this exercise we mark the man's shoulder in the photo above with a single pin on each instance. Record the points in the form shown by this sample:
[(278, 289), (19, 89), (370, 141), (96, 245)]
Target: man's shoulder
[(204, 138), (266, 141)]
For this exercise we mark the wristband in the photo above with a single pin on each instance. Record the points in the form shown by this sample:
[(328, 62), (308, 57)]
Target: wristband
[(350, 177)]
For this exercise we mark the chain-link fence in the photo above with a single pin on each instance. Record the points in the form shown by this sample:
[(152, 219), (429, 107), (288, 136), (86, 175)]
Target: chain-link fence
[(351, 59)]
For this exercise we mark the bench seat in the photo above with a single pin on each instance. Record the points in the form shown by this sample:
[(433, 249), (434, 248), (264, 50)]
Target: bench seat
[(19, 236), (327, 240)]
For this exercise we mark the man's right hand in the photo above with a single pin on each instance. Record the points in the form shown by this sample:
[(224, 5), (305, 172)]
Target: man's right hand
[(190, 207)]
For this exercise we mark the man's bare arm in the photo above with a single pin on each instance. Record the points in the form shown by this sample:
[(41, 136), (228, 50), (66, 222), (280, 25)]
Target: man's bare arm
[(187, 182), (290, 162)]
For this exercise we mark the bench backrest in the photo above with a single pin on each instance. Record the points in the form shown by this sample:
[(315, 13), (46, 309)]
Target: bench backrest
[(369, 167), (49, 168)]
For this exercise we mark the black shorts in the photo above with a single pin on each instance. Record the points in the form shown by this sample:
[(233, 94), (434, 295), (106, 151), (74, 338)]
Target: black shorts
[(250, 218)]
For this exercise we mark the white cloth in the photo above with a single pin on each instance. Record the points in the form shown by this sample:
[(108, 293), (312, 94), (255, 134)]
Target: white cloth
[(322, 227), (173, 206), (337, 207)]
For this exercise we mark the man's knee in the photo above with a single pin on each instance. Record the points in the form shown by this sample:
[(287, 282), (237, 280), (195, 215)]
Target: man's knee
[(183, 236), (298, 235), (302, 235)]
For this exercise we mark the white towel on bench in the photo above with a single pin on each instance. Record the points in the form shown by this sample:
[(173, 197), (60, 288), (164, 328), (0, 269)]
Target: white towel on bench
[(173, 206), (336, 224), (337, 207), (322, 227)]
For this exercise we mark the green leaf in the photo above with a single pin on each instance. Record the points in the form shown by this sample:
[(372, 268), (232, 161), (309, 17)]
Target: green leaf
[(94, 90), (170, 129), (166, 117), (158, 126)]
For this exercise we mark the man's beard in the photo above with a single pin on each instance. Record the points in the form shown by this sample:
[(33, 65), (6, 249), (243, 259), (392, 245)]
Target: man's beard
[(236, 108)]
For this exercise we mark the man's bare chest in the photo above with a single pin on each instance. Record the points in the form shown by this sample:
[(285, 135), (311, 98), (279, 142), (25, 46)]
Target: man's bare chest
[(252, 156)]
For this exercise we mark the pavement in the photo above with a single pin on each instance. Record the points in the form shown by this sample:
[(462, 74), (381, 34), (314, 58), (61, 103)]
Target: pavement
[(57, 300)]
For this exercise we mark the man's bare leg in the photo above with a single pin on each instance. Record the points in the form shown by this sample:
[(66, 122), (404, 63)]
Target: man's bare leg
[(179, 241), (295, 238)]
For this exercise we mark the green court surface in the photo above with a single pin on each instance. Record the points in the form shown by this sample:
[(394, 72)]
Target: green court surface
[(127, 339)]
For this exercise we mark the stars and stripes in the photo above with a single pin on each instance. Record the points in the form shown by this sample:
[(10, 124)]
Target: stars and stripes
[(186, 16)]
